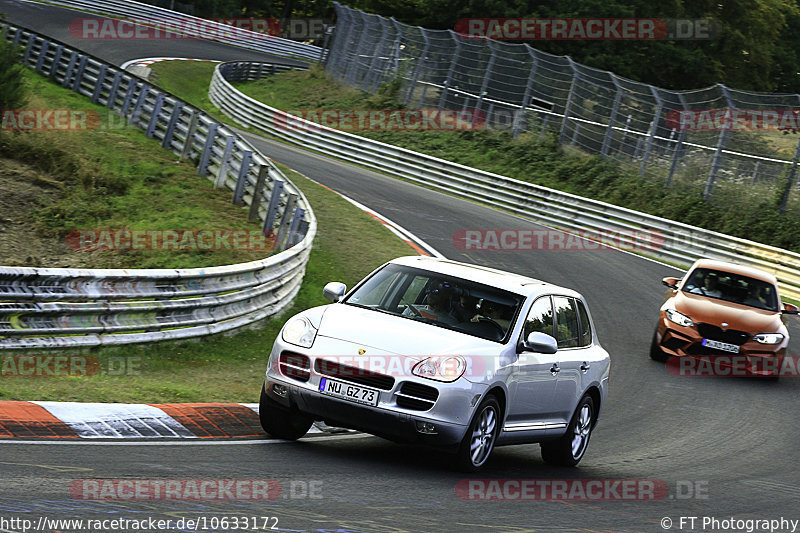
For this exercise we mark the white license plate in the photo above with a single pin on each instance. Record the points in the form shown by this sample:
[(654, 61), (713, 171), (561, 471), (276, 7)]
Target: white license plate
[(346, 391), (724, 346)]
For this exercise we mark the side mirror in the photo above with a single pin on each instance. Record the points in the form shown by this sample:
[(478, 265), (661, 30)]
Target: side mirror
[(540, 342), (790, 309), (672, 283), (334, 291)]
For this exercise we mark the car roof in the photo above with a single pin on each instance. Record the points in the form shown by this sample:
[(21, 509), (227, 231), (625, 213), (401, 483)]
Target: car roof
[(488, 276), (734, 268)]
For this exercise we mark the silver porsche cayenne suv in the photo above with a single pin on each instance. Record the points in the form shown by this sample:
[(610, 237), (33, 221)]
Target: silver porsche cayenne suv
[(446, 354)]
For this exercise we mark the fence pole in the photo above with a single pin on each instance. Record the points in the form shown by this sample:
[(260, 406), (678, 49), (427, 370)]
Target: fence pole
[(484, 85), (653, 128), (612, 118), (252, 214), (189, 141), (272, 210), (241, 181), (568, 105), (222, 171), (42, 54), (202, 167), (519, 118), (453, 63), (418, 67), (717, 159), (678, 146), (372, 79), (790, 181)]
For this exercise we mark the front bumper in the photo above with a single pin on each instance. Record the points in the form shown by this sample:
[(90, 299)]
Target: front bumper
[(754, 358), (449, 414)]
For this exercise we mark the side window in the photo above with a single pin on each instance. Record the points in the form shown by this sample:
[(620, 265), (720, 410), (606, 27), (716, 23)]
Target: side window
[(585, 336), (566, 322), (540, 318)]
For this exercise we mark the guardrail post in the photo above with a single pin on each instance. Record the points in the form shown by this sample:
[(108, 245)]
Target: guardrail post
[(790, 180), (272, 210), (613, 117), (418, 68), (56, 60), (451, 70), (717, 159), (519, 117), (70, 67), (101, 78), (112, 94), (76, 85), (222, 172), (28, 50), (126, 102), (241, 180), (286, 221), (42, 53), (575, 132), (653, 127), (202, 167), (144, 91), (678, 146), (252, 215), (568, 104), (188, 142), (155, 115), (17, 37), (177, 109), (294, 226)]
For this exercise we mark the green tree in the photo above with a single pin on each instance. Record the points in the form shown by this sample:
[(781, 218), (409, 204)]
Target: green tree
[(12, 88)]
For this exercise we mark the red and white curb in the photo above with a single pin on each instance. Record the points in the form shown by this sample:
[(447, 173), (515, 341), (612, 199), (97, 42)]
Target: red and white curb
[(147, 61), (75, 420)]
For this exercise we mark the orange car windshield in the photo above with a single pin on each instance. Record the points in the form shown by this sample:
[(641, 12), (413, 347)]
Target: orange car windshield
[(732, 288)]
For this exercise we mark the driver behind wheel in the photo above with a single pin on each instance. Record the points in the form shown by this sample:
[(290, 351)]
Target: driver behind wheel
[(438, 298)]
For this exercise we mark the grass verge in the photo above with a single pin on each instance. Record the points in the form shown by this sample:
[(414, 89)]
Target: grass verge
[(220, 368)]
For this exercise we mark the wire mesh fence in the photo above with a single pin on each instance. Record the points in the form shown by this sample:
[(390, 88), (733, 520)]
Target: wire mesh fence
[(711, 140)]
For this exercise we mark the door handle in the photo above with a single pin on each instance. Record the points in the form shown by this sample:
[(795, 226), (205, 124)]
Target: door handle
[(554, 369), (585, 366)]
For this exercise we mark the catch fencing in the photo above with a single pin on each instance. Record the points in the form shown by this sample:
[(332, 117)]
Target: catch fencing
[(64, 307), (524, 90), (675, 242)]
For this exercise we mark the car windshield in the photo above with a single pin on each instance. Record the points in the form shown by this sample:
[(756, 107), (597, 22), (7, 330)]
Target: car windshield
[(732, 288), (440, 300)]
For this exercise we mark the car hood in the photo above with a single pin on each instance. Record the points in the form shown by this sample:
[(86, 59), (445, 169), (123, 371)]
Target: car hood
[(739, 317), (398, 335)]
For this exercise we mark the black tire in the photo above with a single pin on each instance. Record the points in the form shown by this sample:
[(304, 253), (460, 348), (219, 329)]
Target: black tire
[(482, 433), (281, 422), (569, 449), (656, 353)]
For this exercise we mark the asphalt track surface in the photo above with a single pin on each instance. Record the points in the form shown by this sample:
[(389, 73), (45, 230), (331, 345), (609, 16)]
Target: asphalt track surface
[(734, 440)]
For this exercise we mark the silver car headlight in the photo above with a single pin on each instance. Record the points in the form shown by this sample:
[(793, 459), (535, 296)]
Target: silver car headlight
[(441, 368), (769, 338), (300, 332), (679, 318)]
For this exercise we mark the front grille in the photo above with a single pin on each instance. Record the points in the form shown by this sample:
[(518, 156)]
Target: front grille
[(294, 365), (354, 374), (416, 396), (730, 336)]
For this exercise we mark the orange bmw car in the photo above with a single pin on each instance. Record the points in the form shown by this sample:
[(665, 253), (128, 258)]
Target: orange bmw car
[(722, 309)]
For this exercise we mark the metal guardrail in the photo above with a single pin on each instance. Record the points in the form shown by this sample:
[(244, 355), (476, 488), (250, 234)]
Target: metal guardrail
[(665, 239), (183, 24), (62, 307)]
